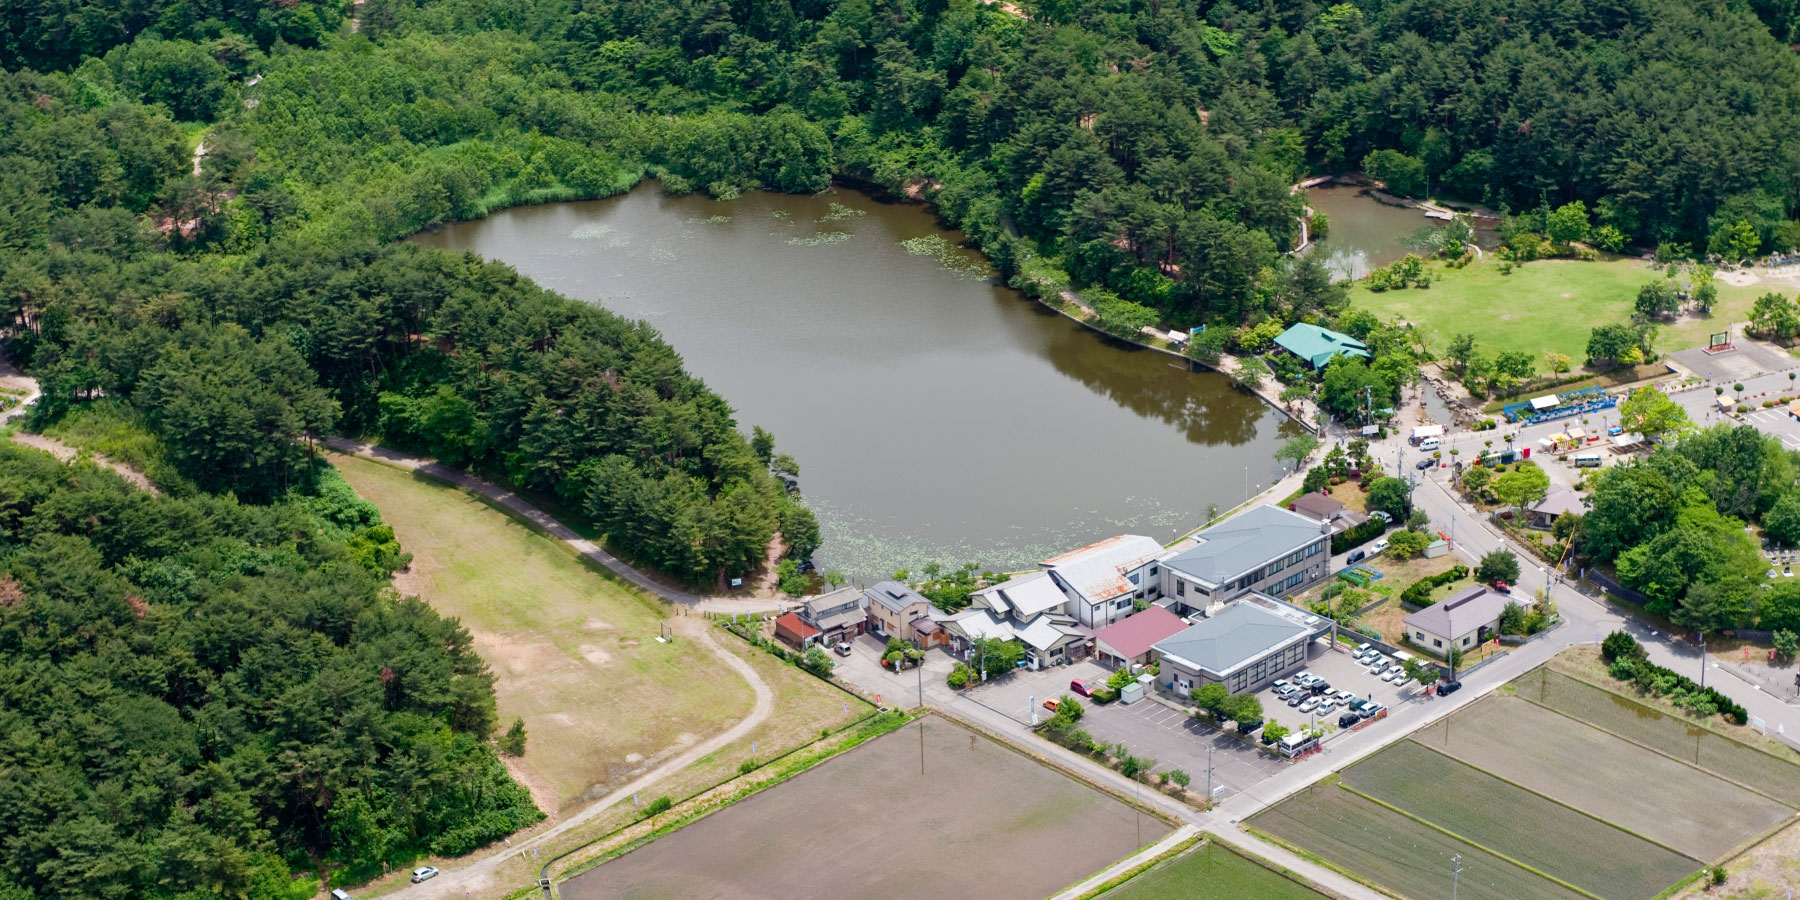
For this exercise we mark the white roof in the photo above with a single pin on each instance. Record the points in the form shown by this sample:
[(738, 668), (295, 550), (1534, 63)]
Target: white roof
[(981, 623), (1628, 439), (1042, 634), (1545, 402), (1026, 595), (1097, 571), (1425, 431)]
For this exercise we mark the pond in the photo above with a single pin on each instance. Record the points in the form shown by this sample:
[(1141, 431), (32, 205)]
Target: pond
[(935, 414), (1365, 232)]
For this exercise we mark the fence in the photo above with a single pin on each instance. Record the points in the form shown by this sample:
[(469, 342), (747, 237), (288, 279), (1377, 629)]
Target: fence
[(1612, 586)]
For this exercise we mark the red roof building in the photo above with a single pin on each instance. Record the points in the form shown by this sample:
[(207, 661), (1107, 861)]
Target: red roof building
[(793, 632), (1129, 642)]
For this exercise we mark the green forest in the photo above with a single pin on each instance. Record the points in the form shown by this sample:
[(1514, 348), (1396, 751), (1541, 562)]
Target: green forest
[(201, 203)]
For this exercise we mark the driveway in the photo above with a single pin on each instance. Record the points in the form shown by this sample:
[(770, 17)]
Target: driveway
[(1021, 694), (862, 671)]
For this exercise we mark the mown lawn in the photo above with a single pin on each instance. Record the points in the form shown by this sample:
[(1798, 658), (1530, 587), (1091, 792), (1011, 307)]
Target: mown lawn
[(1542, 306), (1209, 871), (573, 651)]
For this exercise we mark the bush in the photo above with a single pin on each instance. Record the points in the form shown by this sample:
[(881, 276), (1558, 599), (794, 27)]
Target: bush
[(1358, 536), (959, 676), (1786, 643), (1620, 645), (512, 743), (659, 805), (1419, 593), (1367, 630), (1104, 696), (747, 766)]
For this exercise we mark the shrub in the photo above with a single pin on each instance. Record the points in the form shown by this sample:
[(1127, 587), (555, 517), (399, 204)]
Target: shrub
[(1368, 630), (1104, 696), (747, 766), (959, 676), (1786, 643), (1358, 536), (512, 743), (659, 805), (1620, 645)]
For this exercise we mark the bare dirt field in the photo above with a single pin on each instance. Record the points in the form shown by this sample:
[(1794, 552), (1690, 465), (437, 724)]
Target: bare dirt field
[(984, 821), (1672, 803), (573, 651)]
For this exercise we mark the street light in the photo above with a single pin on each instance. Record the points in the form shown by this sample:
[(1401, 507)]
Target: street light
[(1455, 873)]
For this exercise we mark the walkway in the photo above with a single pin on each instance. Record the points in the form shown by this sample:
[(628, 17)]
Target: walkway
[(67, 453), (518, 506), (479, 877)]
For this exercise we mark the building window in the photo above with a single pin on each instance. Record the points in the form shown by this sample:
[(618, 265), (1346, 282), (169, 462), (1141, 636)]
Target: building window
[(1152, 571), (1420, 635), (1436, 643), (1133, 578), (1465, 642), (1312, 550), (1180, 588)]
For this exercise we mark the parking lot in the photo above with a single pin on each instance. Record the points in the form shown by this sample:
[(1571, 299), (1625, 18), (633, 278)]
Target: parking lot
[(1021, 694), (1776, 422), (1177, 740), (1342, 673)]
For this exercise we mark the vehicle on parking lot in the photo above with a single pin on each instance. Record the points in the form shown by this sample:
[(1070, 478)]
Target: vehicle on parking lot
[(1288, 690), (1502, 587), (1052, 703), (842, 648), (1376, 663), (1382, 515), (1356, 556), (1080, 687), (1363, 649), (1305, 678), (1309, 704), (1349, 718), (1279, 683), (1321, 687), (1298, 698), (1449, 687), (423, 872), (1392, 676), (1327, 704), (1346, 695)]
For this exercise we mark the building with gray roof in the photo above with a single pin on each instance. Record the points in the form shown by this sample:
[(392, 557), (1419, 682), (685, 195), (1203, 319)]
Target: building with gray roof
[(1244, 646), (1464, 620), (1264, 548)]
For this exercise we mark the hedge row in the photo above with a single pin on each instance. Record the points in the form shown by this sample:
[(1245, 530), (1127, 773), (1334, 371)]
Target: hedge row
[(1355, 537), (1419, 593)]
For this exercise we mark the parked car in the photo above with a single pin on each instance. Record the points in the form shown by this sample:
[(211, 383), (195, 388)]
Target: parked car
[(1327, 704), (1306, 678), (1383, 516), (1363, 648), (424, 872), (1376, 548), (1309, 704), (1392, 676), (1425, 463), (1502, 587), (842, 648), (1320, 688), (1376, 663), (1356, 556), (1345, 695), (1348, 719), (1279, 683), (1052, 703), (1446, 688), (1298, 698), (1288, 690), (1080, 687)]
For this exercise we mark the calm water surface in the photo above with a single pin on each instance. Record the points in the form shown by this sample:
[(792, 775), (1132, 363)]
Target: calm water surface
[(1366, 233), (935, 415)]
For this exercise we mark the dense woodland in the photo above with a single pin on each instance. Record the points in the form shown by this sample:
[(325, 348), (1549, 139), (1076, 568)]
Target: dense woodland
[(198, 695), (208, 690)]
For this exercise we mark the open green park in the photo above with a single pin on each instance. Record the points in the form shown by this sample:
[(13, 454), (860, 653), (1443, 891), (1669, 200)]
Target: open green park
[(1545, 305)]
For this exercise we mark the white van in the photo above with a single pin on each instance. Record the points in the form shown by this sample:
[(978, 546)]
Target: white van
[(1588, 460), (1429, 444)]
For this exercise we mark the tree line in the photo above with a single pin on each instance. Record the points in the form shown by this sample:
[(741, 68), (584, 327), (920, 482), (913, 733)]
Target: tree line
[(200, 696)]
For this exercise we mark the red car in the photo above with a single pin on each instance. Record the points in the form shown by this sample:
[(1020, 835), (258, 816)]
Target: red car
[(1080, 687)]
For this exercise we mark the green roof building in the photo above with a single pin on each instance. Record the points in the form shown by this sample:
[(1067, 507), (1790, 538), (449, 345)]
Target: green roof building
[(1318, 345)]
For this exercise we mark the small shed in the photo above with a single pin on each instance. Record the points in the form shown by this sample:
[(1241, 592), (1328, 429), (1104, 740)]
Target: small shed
[(1436, 548)]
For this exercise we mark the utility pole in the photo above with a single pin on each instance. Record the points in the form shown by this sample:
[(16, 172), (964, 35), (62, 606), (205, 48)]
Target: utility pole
[(1455, 874), (1209, 774), (921, 745), (1703, 659)]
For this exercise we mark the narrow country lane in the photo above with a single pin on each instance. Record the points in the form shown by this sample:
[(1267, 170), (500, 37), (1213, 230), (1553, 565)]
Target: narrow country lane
[(480, 877), (518, 506)]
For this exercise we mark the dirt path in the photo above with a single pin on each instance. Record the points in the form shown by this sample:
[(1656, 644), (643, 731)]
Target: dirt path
[(66, 453), (518, 506), (15, 380), (480, 878)]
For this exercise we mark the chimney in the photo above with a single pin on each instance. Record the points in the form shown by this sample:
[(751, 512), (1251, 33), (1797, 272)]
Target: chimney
[(1324, 526)]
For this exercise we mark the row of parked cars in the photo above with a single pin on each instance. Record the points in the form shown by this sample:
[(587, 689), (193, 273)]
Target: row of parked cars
[(1390, 670), (1309, 693)]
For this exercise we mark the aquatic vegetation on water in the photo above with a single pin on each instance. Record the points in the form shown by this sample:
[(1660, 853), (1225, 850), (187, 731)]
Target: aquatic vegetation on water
[(948, 256), (819, 238), (840, 211), (591, 233)]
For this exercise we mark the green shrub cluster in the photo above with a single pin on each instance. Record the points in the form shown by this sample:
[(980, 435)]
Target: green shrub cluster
[(1419, 592), (1357, 536), (1629, 663)]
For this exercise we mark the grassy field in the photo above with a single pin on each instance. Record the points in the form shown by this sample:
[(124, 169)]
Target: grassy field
[(1391, 849), (982, 821), (1762, 772), (1670, 802), (1510, 820), (1210, 871), (1544, 305), (573, 651)]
